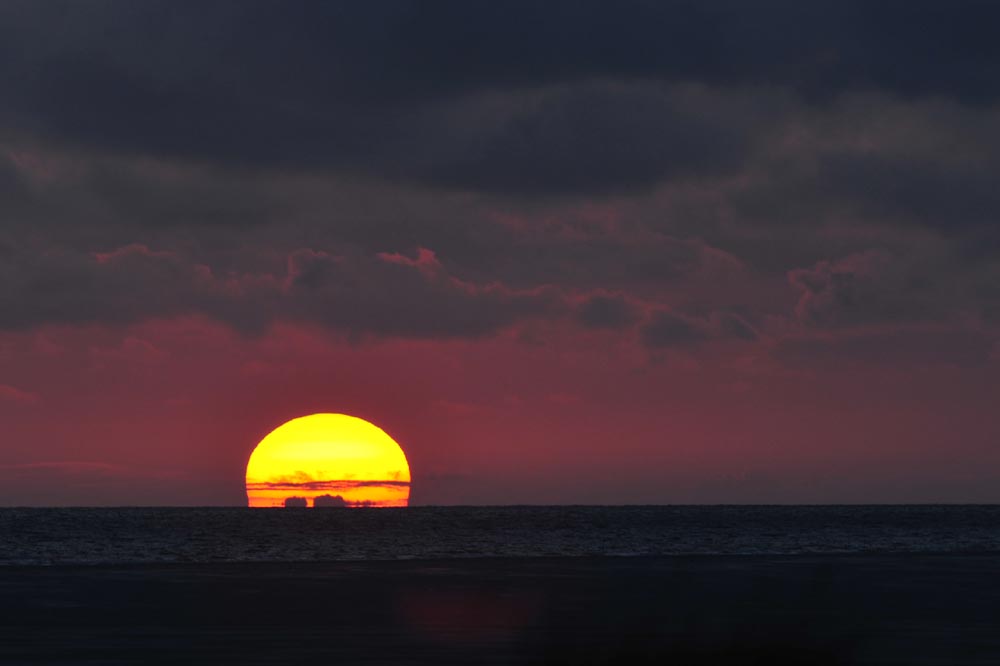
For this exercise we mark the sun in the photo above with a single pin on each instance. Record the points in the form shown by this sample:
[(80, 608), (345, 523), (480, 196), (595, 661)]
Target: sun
[(328, 460)]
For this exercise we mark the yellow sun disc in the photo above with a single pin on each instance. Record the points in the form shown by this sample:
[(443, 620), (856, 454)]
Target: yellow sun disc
[(328, 460)]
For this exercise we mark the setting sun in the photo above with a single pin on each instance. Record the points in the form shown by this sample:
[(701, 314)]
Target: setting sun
[(327, 460)]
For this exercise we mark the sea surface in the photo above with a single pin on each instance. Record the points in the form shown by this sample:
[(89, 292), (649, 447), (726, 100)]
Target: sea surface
[(205, 535)]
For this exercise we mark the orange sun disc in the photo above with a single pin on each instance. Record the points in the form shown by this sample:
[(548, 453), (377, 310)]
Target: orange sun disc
[(327, 460)]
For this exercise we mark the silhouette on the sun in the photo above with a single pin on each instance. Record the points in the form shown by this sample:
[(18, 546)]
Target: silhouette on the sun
[(329, 501)]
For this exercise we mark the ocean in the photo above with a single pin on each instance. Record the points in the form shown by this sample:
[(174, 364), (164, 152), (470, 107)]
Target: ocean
[(78, 536), (720, 585)]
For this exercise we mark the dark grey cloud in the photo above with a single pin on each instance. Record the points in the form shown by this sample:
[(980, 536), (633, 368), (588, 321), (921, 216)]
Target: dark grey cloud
[(729, 325), (409, 297), (364, 88), (670, 329), (572, 254), (928, 191), (411, 49), (667, 328), (46, 189), (926, 176), (986, 289), (362, 295), (11, 186), (593, 139), (346, 290), (120, 287), (875, 287), (607, 311)]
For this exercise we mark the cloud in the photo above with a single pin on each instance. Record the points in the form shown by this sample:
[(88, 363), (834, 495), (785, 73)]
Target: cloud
[(864, 288), (415, 298), (728, 325), (873, 158), (324, 501), (373, 90), (386, 295), (122, 286), (52, 185), (17, 396), (667, 328), (65, 468), (565, 248), (670, 329), (607, 311), (587, 139), (327, 484)]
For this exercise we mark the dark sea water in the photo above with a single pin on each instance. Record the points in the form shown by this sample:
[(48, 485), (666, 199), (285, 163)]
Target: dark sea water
[(206, 535)]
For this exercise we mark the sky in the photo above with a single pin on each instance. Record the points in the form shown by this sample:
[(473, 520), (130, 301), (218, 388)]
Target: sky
[(563, 252)]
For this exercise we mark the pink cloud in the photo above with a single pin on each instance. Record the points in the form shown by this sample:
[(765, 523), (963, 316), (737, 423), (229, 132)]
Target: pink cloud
[(426, 260), (65, 466), (16, 395), (132, 250)]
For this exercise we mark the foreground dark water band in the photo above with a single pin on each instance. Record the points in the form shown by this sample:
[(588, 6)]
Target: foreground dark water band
[(128, 536), (803, 609)]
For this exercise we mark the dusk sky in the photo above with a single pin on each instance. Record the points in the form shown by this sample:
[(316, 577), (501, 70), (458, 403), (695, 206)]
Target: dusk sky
[(563, 252)]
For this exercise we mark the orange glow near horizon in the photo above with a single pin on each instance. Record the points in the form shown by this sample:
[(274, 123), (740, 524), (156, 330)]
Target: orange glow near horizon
[(341, 460)]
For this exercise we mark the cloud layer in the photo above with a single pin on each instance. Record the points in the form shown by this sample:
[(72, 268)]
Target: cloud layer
[(517, 213)]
